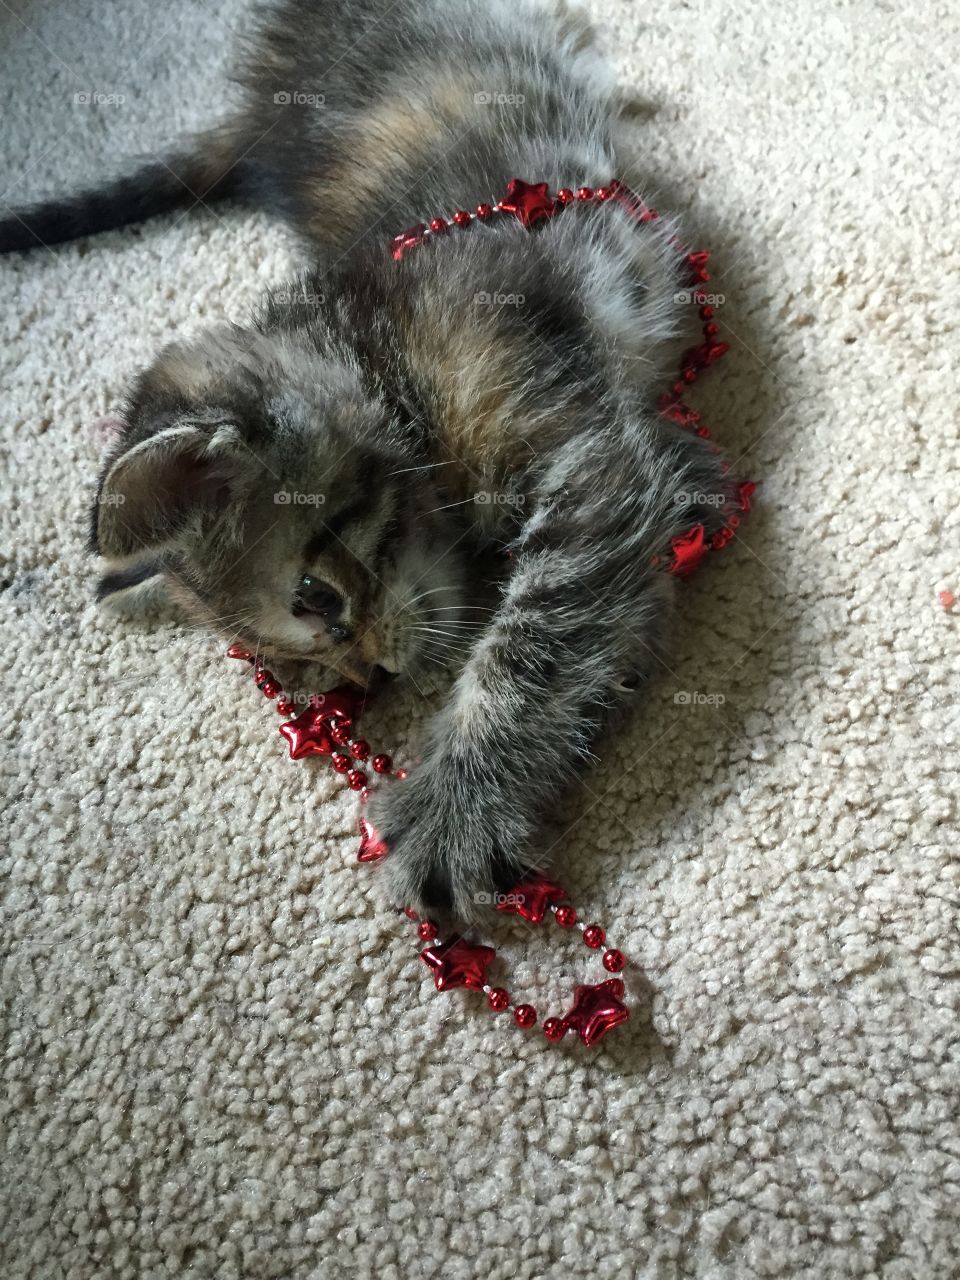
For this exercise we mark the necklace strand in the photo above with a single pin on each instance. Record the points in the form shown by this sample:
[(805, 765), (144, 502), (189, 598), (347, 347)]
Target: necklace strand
[(327, 726)]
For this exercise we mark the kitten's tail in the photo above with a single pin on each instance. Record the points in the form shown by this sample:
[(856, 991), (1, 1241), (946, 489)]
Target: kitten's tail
[(206, 172)]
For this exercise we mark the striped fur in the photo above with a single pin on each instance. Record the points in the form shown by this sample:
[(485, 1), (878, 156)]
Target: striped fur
[(490, 391)]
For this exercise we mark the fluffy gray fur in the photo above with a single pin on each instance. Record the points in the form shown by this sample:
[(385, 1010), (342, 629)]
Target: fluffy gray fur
[(396, 393)]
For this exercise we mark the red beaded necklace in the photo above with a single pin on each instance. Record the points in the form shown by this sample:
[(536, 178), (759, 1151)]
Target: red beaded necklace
[(326, 727)]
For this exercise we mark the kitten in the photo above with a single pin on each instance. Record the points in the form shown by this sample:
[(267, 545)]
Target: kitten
[(320, 483)]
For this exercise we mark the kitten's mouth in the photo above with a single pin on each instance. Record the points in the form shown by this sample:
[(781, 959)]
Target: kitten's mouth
[(372, 681)]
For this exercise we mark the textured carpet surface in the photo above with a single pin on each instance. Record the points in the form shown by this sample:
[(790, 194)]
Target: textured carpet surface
[(221, 1055)]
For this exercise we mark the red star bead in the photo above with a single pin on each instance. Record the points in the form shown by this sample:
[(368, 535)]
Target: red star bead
[(372, 846), (406, 240), (343, 703), (676, 411), (529, 202), (597, 1010), (307, 735), (458, 963), (531, 898), (688, 550)]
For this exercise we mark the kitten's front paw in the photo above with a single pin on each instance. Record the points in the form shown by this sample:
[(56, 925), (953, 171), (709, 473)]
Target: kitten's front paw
[(450, 848)]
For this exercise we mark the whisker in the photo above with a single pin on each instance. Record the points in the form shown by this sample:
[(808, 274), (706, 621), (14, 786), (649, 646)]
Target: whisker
[(426, 466), (449, 651), (461, 608), (438, 637), (447, 507), (433, 630)]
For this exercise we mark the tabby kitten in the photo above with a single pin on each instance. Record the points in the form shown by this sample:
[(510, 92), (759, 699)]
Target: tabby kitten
[(320, 482)]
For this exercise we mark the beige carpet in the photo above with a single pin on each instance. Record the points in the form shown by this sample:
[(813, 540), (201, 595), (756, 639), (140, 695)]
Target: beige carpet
[(222, 1057)]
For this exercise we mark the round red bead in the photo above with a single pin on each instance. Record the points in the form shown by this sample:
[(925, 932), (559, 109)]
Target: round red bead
[(484, 211), (270, 689), (613, 961), (706, 313), (382, 764), (594, 936), (711, 330), (410, 913), (566, 917), (426, 931), (340, 762), (360, 749), (401, 774), (340, 732), (603, 194), (564, 195), (689, 375), (285, 708), (525, 1015), (554, 1029), (498, 999), (585, 193), (438, 224), (678, 388), (357, 779), (462, 218)]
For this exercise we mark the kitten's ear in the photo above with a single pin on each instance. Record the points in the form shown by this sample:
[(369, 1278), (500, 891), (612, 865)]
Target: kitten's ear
[(151, 492)]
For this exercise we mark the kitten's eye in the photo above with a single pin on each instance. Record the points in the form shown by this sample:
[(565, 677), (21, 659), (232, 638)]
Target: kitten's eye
[(314, 596)]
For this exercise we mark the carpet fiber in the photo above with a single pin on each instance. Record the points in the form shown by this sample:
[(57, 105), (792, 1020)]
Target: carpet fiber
[(222, 1057)]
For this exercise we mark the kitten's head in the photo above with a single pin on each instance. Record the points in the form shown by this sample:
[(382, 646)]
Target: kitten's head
[(284, 503)]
